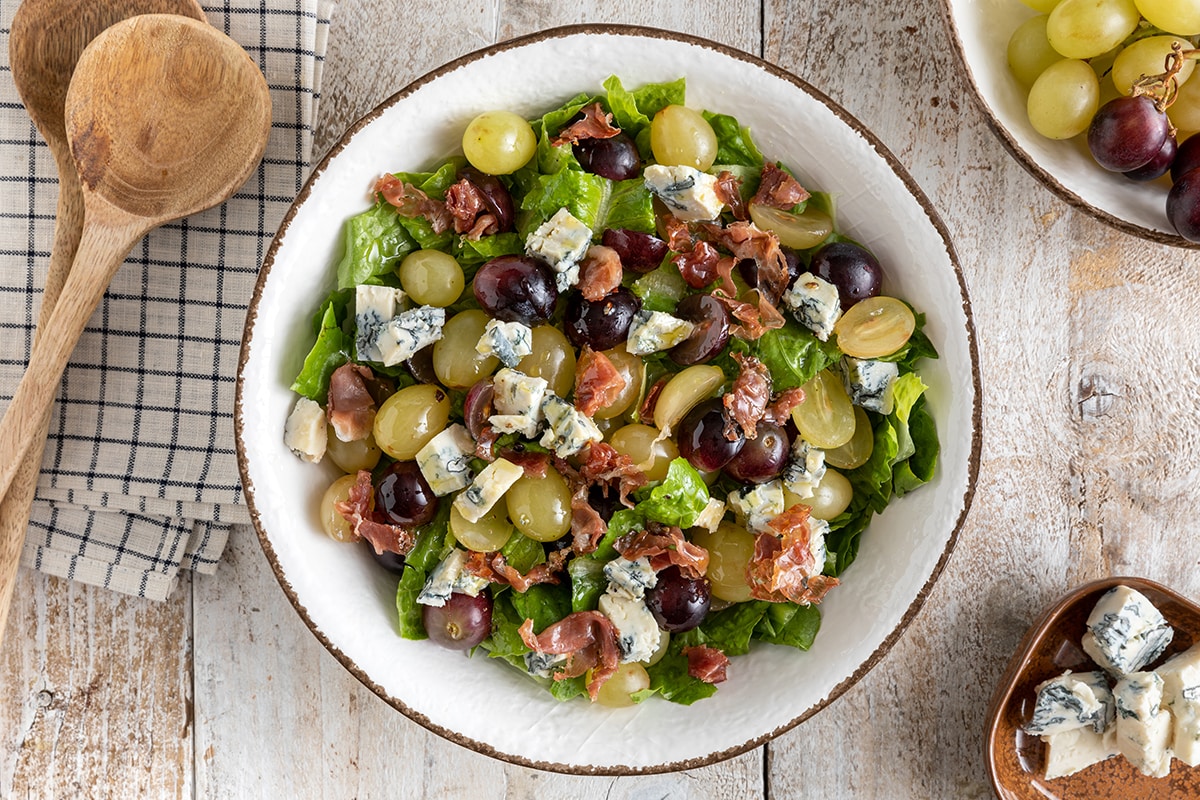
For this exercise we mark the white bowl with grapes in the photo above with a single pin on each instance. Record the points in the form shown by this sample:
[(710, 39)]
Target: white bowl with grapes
[(607, 384)]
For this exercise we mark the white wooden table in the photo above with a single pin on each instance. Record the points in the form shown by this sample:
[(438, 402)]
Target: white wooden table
[(1090, 348)]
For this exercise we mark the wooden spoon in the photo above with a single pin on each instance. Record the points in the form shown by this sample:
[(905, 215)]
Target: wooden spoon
[(165, 117), (46, 39)]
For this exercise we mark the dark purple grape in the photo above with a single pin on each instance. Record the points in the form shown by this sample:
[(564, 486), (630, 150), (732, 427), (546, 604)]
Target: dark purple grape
[(1157, 166), (678, 603), (392, 562), (516, 289), (495, 196), (1187, 158), (462, 623), (402, 497), (639, 252), (420, 365), (709, 334), (702, 439), (854, 271), (1126, 133), (603, 324), (1183, 206), (615, 158), (477, 406), (748, 269), (762, 458)]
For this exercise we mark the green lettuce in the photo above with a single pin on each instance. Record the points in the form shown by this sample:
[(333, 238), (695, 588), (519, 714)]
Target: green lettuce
[(522, 553), (472, 254), (588, 582), (794, 356), (632, 111), (332, 349), (434, 184), (660, 289), (581, 193), (734, 145), (629, 206), (789, 624), (678, 500), (544, 603), (375, 244), (426, 553)]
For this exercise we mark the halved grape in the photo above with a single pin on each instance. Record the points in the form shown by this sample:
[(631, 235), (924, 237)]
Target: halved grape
[(825, 418), (462, 623), (683, 392), (709, 334), (875, 327), (603, 324), (801, 231), (678, 602), (730, 549), (855, 452), (516, 289)]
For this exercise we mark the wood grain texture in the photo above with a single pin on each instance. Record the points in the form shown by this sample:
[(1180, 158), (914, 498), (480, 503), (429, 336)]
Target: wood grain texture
[(1088, 342)]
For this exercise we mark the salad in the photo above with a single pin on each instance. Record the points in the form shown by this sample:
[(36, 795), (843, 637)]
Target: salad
[(611, 396)]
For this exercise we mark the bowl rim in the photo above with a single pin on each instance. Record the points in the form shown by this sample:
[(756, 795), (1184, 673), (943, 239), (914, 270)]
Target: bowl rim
[(624, 30), (1032, 167)]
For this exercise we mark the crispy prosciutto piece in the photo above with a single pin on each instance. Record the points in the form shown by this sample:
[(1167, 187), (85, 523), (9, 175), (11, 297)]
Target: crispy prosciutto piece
[(664, 545), (780, 409), (587, 526), (410, 201), (602, 464), (777, 189), (534, 464), (698, 266), (646, 411), (357, 511), (747, 240), (468, 206), (746, 402), (677, 234), (485, 443), (589, 641), (706, 663), (599, 273), (729, 191), (351, 407), (495, 568), (783, 568), (596, 124), (597, 382), (755, 320)]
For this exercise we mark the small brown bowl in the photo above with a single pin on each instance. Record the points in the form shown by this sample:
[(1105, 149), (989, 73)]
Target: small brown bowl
[(1016, 760)]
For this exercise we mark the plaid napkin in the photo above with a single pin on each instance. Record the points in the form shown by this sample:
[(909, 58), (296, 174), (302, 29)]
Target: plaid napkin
[(140, 477)]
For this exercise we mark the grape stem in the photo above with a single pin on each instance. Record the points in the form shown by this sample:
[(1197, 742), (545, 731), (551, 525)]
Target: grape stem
[(1163, 88)]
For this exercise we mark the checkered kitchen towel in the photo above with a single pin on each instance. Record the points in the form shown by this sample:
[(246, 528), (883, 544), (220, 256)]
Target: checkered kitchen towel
[(140, 475)]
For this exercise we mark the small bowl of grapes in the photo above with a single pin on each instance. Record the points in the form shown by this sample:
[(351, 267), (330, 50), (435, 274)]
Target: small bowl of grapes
[(1096, 99), (592, 415)]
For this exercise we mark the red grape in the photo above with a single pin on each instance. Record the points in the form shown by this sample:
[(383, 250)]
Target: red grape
[(762, 458), (1126, 133), (639, 252), (402, 496), (516, 289), (709, 335), (678, 603), (603, 324), (392, 562), (1187, 158), (495, 196), (1183, 206), (615, 158), (1157, 166), (702, 437), (852, 269), (477, 406), (462, 623)]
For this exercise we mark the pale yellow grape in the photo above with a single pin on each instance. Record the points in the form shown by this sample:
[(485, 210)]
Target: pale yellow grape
[(800, 231), (431, 277), (353, 456), (488, 534), (1063, 100), (664, 642), (730, 549), (336, 526), (638, 442), (681, 136), (498, 142), (1147, 57), (631, 369), (855, 452), (1173, 16), (540, 507), (1029, 51), (617, 691), (875, 327), (455, 360), (552, 360), (684, 392), (410, 418), (825, 417), (831, 496), (1184, 113), (1044, 6), (1088, 28)]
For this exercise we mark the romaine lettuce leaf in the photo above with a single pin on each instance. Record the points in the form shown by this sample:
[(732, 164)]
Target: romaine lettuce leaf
[(425, 555), (587, 583), (332, 349), (789, 624), (734, 145), (435, 185), (625, 520), (544, 603), (729, 630), (472, 254), (670, 678), (660, 289), (919, 467), (629, 207), (376, 242), (581, 193), (794, 356), (678, 500), (522, 553), (632, 111)]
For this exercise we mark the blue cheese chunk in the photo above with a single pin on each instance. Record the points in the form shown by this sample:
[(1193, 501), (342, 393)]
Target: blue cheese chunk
[(637, 631), (448, 578), (517, 399), (652, 331), (445, 461), (690, 194), (374, 307), (507, 341), (1143, 725), (712, 514), (870, 383), (488, 487), (568, 429), (1181, 694), (815, 304), (805, 470), (560, 242), (1070, 751), (818, 531), (1125, 632), (1070, 701), (408, 332), (631, 578), (755, 506), (305, 432), (542, 665)]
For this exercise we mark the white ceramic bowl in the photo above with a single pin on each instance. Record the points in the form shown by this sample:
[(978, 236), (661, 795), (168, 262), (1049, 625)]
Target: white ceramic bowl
[(980, 30), (348, 601)]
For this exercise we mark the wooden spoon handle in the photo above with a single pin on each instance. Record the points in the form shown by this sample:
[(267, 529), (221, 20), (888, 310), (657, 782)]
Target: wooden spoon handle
[(16, 504)]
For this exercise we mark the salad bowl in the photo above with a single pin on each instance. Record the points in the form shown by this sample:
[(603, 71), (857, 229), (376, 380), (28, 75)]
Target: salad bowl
[(349, 603), (979, 31)]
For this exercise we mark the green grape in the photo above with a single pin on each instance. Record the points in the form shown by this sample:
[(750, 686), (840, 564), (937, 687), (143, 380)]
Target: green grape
[(1064, 99), (1089, 28), (431, 277), (1184, 113), (1173, 16), (455, 360), (1147, 57), (1043, 6), (498, 142), (410, 418), (540, 507), (618, 690), (679, 135), (1029, 51)]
